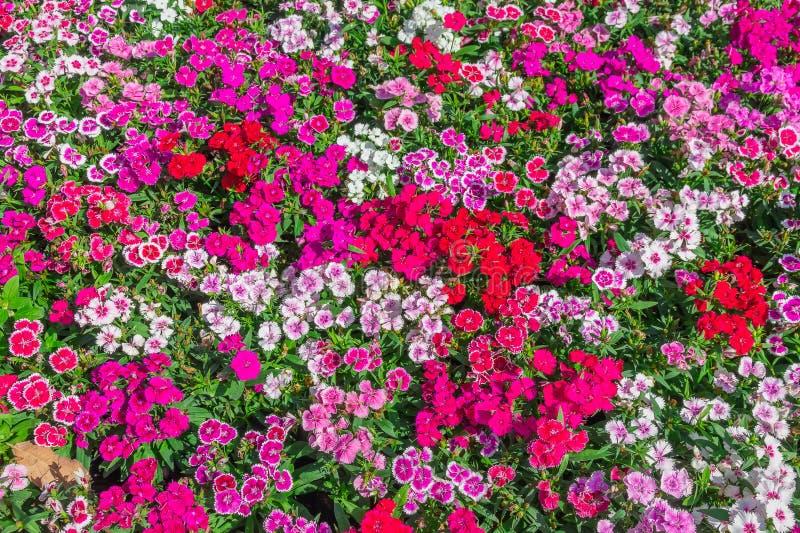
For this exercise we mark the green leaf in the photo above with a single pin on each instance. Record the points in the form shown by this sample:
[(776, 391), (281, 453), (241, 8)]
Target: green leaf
[(719, 514), (11, 288), (642, 305), (563, 467), (341, 517), (387, 427), (235, 390), (355, 249), (590, 455), (390, 185), (402, 496), (622, 244), (466, 50)]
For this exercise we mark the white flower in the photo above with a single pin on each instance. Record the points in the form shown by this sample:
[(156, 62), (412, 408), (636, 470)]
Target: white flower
[(345, 318), (656, 259), (617, 18), (781, 515), (154, 344), (161, 327), (746, 522), (720, 410), (269, 334), (101, 313), (342, 287), (765, 413), (107, 339), (129, 349), (294, 328)]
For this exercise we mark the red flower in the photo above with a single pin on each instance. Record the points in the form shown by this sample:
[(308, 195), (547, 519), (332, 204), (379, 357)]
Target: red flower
[(547, 498), (501, 474), (63, 360), (511, 338), (186, 166), (169, 141), (24, 343), (455, 21), (468, 320), (505, 181), (423, 52), (726, 294), (380, 520), (6, 380), (742, 341), (455, 294), (203, 5)]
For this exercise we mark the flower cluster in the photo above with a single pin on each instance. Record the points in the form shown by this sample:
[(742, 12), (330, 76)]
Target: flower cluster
[(736, 290)]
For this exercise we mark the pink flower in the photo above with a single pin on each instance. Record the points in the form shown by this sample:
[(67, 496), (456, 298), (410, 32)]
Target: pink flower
[(14, 476), (318, 123), (92, 87), (390, 118), (343, 111), (185, 200), (588, 61), (563, 232), (346, 449), (233, 75), (641, 487), (246, 365), (676, 106), (372, 398), (283, 481), (209, 431), (676, 483), (408, 120), (133, 91)]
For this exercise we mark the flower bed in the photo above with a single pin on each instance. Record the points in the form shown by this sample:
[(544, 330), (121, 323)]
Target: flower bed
[(369, 266)]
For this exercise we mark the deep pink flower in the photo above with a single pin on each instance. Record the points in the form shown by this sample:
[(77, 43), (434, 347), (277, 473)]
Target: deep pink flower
[(246, 365), (342, 76)]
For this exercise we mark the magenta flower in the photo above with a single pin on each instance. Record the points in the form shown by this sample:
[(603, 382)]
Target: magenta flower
[(227, 501), (186, 76), (246, 365), (588, 61)]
